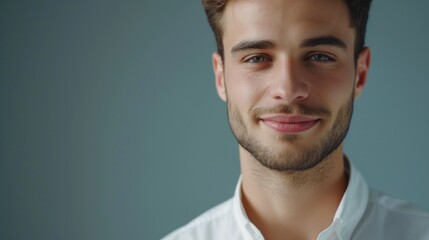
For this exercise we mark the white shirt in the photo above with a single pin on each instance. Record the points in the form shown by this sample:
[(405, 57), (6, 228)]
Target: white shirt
[(363, 213)]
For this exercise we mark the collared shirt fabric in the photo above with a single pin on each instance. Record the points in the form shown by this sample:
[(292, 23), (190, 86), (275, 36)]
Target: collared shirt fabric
[(363, 213)]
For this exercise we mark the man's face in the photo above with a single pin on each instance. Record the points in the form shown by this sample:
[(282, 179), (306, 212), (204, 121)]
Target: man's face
[(289, 78)]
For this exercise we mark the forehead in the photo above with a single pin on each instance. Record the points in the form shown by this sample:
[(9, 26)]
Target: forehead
[(286, 20)]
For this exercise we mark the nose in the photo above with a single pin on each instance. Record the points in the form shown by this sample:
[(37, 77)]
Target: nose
[(289, 85)]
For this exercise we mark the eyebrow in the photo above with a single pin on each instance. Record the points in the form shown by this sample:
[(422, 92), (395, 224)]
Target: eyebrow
[(249, 45), (324, 40), (311, 42)]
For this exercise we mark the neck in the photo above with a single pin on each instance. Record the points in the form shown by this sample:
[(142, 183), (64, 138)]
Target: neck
[(300, 204)]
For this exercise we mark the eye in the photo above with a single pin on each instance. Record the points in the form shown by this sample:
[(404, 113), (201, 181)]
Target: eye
[(321, 58), (257, 59)]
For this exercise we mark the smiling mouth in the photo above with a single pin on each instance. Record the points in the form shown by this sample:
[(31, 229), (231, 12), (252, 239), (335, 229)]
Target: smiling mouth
[(290, 123)]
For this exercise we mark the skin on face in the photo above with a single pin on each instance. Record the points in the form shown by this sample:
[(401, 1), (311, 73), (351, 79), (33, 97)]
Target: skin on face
[(289, 78)]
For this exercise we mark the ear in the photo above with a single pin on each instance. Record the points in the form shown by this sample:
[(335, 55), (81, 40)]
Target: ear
[(362, 68), (219, 75)]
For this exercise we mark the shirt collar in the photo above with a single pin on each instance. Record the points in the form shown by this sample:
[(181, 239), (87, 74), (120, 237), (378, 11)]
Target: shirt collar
[(247, 229), (347, 216), (353, 203)]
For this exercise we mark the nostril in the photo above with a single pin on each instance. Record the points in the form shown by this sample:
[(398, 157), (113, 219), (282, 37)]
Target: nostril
[(290, 93)]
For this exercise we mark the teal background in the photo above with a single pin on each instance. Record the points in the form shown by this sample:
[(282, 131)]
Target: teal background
[(110, 126)]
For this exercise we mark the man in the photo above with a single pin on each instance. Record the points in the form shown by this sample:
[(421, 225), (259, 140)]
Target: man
[(289, 71)]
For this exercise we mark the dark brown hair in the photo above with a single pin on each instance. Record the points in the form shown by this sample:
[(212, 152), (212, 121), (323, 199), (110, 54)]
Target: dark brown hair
[(358, 10)]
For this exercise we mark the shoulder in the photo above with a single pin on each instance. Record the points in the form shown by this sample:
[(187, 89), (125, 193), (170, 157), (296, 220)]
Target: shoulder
[(208, 225), (392, 218), (395, 207)]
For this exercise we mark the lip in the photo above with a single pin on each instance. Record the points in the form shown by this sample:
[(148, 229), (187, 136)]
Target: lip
[(290, 123)]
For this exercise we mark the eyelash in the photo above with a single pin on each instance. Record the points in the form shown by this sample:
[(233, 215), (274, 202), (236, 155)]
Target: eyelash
[(261, 58), (316, 57), (326, 57)]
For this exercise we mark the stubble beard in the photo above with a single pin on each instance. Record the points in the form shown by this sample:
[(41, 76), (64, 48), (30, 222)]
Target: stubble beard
[(293, 158)]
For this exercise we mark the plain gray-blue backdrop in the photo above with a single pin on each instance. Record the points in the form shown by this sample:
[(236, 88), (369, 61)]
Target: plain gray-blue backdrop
[(110, 126)]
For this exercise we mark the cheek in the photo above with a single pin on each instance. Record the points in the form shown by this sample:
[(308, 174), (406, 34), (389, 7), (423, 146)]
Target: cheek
[(335, 87), (244, 88)]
